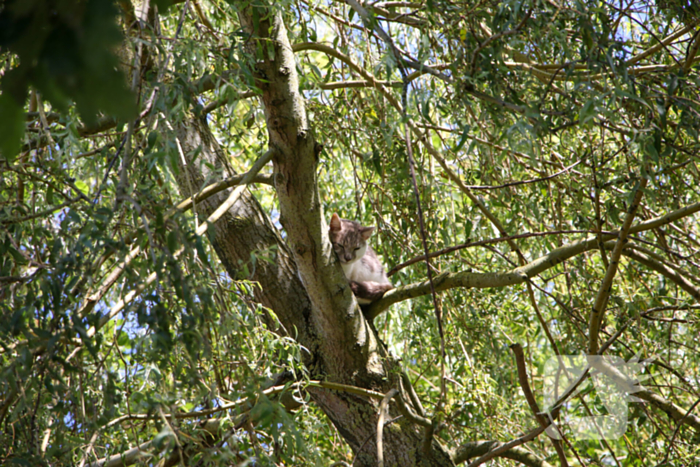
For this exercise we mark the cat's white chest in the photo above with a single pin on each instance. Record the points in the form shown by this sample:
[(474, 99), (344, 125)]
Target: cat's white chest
[(357, 271), (354, 271)]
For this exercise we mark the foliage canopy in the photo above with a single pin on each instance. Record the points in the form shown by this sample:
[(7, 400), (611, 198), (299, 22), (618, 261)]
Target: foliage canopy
[(555, 147)]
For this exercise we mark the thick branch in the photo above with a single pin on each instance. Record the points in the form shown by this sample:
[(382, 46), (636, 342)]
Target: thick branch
[(665, 42), (665, 271), (499, 449), (489, 241), (479, 448), (678, 414), (133, 455), (300, 205), (449, 280)]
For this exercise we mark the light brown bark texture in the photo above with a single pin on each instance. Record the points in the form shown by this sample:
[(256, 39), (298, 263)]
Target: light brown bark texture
[(303, 285)]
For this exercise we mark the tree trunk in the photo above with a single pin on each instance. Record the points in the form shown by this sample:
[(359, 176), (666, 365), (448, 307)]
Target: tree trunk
[(304, 285), (246, 229)]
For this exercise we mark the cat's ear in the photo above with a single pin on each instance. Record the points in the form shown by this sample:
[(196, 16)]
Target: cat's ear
[(366, 232), (335, 223)]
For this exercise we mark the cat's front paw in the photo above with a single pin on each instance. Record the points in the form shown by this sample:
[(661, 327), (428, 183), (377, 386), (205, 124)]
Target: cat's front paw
[(355, 287)]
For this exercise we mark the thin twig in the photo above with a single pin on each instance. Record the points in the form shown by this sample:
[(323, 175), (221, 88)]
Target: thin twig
[(523, 182), (43, 213), (251, 401), (678, 427), (383, 406)]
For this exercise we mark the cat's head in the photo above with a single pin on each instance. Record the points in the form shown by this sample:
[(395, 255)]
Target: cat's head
[(349, 239)]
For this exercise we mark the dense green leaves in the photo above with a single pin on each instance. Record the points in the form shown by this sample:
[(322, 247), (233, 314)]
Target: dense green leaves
[(64, 50), (548, 113)]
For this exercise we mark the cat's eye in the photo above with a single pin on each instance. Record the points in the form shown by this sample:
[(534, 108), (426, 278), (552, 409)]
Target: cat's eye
[(357, 248)]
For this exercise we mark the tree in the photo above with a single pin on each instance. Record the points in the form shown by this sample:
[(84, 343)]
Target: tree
[(532, 170)]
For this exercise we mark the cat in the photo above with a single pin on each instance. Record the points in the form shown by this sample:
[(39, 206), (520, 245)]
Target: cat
[(361, 266)]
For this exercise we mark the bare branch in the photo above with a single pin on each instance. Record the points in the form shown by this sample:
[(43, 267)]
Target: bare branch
[(492, 241), (380, 425), (525, 386), (675, 276), (448, 280), (133, 455), (499, 450), (524, 182), (601, 299), (479, 448), (665, 42)]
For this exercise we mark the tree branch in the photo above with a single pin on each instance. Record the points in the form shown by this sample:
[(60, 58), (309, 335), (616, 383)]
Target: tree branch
[(499, 449), (448, 280), (601, 299), (665, 42), (371, 24), (93, 298), (479, 448), (370, 81), (678, 414), (383, 406), (530, 398), (524, 182), (491, 241), (133, 455), (676, 277)]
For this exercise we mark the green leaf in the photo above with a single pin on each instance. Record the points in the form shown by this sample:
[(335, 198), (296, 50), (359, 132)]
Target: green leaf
[(163, 438), (463, 139), (82, 186), (19, 259), (11, 126), (67, 57), (588, 111)]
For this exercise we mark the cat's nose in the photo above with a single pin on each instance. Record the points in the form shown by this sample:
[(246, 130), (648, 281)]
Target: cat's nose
[(348, 257)]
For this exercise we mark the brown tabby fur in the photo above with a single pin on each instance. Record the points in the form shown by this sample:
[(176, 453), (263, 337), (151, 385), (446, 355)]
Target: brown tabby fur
[(360, 263)]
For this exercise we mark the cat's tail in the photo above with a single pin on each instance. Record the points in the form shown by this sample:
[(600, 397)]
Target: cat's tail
[(367, 292)]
